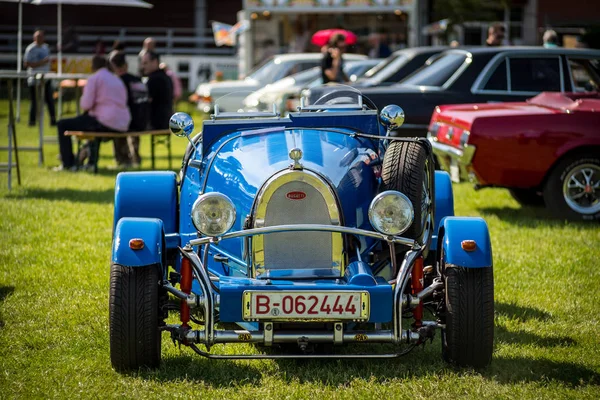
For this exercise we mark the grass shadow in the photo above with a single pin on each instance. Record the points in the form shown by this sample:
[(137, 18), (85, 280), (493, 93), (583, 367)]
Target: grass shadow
[(5, 291), (78, 196), (522, 370), (523, 314), (421, 363), (196, 369), (520, 313), (531, 217), (521, 337)]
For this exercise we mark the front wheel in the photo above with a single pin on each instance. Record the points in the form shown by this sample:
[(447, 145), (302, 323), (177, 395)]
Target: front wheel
[(468, 338), (573, 189), (135, 338)]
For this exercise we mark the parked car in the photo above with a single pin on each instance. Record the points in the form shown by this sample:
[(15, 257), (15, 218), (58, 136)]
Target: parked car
[(272, 70), (487, 74), (545, 150), (285, 93), (398, 66), (317, 228)]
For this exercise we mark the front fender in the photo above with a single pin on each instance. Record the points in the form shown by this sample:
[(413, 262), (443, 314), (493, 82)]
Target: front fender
[(444, 203), (147, 194), (454, 230), (150, 230)]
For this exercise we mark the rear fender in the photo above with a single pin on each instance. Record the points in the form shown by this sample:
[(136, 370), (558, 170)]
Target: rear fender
[(150, 230), (454, 230), (444, 203)]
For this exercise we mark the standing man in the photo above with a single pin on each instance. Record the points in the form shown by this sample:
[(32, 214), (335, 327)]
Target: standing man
[(332, 65), (149, 44), (104, 101), (160, 91), (127, 149), (37, 59)]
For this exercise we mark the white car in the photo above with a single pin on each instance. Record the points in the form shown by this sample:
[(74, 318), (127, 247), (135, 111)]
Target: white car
[(274, 69), (285, 93)]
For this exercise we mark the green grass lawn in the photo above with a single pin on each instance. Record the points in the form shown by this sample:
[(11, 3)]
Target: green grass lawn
[(55, 235)]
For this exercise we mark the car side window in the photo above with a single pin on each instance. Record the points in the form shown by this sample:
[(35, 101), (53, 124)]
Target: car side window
[(535, 74), (498, 79), (584, 74)]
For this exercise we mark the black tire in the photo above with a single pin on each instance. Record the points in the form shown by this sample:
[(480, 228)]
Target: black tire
[(468, 339), (554, 195), (404, 169), (135, 339), (527, 197)]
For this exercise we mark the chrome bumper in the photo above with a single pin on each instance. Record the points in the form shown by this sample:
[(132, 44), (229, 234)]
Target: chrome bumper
[(208, 304), (456, 161)]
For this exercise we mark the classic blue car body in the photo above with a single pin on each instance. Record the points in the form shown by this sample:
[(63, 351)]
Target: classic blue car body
[(343, 148)]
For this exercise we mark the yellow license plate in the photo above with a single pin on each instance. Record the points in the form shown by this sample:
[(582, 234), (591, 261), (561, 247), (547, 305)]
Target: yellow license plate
[(298, 306)]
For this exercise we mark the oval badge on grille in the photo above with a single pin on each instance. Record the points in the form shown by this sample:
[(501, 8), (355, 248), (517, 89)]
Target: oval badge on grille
[(295, 195)]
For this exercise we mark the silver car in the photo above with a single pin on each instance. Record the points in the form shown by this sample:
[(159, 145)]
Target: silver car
[(272, 70)]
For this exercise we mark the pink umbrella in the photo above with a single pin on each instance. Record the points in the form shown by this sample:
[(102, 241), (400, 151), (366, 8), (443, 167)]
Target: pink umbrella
[(321, 38)]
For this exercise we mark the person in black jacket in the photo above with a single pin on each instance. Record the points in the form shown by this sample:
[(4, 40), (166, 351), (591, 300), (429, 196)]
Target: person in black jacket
[(127, 149), (160, 91), (332, 64)]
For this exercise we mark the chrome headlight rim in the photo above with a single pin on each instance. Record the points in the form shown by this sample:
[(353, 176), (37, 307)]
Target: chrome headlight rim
[(199, 208), (377, 200)]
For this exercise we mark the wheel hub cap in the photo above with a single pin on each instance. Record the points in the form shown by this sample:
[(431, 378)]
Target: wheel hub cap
[(581, 189)]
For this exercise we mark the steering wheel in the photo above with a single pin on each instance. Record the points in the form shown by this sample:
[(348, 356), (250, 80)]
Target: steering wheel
[(331, 97)]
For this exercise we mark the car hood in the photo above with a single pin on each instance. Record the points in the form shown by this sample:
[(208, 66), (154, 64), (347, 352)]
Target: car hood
[(239, 164), (464, 115), (209, 89)]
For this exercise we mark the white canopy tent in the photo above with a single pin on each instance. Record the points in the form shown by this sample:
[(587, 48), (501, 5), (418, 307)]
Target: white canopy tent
[(59, 3)]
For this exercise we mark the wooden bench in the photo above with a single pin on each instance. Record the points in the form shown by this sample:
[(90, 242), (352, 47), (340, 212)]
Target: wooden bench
[(160, 136)]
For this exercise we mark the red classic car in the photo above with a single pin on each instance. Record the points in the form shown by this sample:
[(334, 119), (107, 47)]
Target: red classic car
[(544, 150)]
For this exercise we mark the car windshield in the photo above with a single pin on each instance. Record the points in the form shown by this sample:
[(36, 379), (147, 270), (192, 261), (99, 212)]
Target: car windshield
[(382, 71), (263, 70), (276, 68), (332, 95), (243, 101), (438, 72)]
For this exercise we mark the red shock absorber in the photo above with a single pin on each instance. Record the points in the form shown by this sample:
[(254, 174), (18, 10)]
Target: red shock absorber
[(186, 287), (417, 286)]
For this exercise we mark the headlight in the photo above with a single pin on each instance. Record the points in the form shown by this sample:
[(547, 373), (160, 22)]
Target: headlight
[(391, 213), (213, 214)]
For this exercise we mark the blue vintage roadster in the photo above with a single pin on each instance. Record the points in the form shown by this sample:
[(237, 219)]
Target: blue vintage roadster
[(302, 234)]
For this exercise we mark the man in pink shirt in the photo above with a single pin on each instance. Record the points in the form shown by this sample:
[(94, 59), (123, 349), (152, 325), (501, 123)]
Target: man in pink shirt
[(104, 101)]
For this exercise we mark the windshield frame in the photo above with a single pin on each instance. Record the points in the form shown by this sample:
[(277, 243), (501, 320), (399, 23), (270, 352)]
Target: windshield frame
[(468, 59), (390, 65)]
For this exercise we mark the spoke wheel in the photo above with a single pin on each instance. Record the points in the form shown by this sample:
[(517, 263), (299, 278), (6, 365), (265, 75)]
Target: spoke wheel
[(572, 190), (581, 189)]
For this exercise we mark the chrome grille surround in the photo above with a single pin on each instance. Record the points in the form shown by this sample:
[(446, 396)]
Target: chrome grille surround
[(296, 197)]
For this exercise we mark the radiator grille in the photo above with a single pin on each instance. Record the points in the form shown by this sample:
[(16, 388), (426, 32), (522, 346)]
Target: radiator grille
[(297, 197)]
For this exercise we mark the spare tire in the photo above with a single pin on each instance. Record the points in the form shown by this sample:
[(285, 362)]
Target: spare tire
[(405, 169)]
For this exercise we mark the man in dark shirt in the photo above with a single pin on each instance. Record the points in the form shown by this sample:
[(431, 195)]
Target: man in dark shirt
[(160, 91), (127, 149), (332, 65)]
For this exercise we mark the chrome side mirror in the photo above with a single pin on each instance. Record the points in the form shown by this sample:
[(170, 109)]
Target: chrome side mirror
[(181, 124), (392, 117)]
